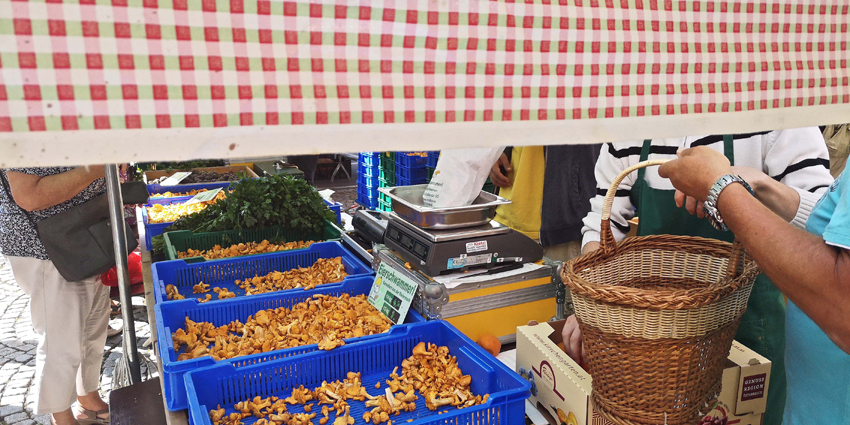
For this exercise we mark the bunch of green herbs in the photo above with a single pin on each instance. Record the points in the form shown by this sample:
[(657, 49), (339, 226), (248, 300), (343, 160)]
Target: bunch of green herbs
[(257, 203)]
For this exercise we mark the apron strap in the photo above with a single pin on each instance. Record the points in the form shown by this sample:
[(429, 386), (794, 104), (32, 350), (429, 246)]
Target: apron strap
[(729, 148), (644, 155)]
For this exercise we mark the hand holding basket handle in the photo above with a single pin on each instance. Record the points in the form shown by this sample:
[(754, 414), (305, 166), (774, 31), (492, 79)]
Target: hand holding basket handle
[(657, 316)]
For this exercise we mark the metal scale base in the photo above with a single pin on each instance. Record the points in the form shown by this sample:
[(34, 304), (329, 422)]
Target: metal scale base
[(436, 252)]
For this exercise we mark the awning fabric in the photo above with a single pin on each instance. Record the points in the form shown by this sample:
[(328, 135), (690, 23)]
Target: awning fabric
[(106, 80)]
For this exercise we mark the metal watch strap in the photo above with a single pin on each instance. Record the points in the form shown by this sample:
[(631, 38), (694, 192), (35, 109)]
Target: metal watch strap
[(710, 204)]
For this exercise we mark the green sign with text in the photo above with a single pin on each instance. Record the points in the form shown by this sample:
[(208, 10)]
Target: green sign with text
[(392, 293)]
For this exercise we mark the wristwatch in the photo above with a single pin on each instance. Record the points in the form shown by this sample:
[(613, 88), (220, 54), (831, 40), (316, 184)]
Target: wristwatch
[(710, 204)]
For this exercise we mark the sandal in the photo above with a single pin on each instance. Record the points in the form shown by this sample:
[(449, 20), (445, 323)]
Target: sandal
[(90, 417), (114, 308)]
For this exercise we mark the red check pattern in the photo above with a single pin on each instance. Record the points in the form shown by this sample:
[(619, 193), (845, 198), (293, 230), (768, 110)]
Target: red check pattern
[(115, 64)]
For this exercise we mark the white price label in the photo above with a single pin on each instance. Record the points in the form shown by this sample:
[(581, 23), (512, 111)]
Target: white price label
[(175, 178), (204, 196)]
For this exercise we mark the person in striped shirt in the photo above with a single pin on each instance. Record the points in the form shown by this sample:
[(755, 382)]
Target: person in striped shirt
[(787, 169)]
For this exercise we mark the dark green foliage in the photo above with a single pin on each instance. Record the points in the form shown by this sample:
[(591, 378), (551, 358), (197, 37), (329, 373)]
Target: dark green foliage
[(255, 203)]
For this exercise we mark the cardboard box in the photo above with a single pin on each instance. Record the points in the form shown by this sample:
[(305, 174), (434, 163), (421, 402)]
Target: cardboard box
[(561, 388)]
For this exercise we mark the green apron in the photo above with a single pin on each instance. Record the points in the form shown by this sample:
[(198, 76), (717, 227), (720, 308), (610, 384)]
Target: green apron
[(763, 325)]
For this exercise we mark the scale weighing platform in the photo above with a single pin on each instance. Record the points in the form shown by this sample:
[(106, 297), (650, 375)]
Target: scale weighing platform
[(436, 252)]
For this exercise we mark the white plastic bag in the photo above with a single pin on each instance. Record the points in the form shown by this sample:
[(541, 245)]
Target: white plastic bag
[(459, 176)]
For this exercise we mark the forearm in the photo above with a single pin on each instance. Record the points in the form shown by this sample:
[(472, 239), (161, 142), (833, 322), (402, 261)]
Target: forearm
[(590, 247), (811, 273), (777, 197), (35, 193)]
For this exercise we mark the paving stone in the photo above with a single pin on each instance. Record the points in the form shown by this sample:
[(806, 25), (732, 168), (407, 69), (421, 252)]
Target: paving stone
[(12, 400), (10, 410), (14, 391), (26, 422), (17, 417), (23, 358), (42, 419)]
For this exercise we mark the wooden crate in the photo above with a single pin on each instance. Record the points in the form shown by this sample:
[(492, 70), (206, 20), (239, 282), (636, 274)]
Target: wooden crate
[(153, 175)]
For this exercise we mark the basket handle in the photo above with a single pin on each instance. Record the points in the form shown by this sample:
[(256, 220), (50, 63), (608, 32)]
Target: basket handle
[(735, 266), (606, 237)]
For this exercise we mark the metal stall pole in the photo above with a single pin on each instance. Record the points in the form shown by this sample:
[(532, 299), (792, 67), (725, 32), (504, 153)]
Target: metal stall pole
[(119, 239)]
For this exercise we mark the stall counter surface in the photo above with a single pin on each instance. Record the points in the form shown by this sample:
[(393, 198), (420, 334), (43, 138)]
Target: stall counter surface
[(172, 418)]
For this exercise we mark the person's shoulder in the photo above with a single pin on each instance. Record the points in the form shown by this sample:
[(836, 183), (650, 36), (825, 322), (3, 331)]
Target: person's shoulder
[(39, 171)]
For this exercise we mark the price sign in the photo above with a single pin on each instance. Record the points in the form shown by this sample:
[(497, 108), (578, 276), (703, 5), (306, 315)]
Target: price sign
[(392, 293), (175, 178), (204, 196)]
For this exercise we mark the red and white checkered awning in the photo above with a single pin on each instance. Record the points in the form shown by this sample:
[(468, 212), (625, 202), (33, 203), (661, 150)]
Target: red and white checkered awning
[(118, 80)]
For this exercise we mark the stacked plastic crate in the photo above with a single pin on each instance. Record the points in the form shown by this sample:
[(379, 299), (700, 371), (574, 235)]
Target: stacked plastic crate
[(411, 168), (367, 179), (386, 178)]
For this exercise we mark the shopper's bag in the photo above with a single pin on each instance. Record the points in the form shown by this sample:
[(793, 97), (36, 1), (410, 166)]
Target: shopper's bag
[(657, 316), (79, 240)]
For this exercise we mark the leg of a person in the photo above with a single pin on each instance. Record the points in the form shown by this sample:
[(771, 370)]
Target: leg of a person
[(59, 309), (563, 252), (93, 341)]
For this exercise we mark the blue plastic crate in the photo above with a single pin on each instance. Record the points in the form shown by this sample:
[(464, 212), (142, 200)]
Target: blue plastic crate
[(336, 207), (367, 181), (367, 197), (169, 200), (226, 384), (412, 174), (172, 316), (401, 181), (433, 157), (371, 159), (370, 171), (156, 229), (224, 272), (157, 188), (405, 160)]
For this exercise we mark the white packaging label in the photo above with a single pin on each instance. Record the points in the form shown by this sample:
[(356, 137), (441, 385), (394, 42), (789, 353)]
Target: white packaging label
[(476, 246), (470, 260)]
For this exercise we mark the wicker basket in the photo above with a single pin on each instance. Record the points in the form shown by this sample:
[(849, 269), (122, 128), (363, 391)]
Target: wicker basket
[(657, 316)]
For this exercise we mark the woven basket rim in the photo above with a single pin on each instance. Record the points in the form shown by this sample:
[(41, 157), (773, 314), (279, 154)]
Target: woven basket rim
[(658, 298)]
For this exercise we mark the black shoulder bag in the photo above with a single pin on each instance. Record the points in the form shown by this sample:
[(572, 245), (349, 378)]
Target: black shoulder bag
[(79, 240)]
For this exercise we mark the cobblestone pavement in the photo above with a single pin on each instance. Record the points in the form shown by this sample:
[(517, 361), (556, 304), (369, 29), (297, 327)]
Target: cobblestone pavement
[(17, 352)]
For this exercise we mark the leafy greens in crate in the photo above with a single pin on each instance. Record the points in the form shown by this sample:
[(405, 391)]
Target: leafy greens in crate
[(255, 203)]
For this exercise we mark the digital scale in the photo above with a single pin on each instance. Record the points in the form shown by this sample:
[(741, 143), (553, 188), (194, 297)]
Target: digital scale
[(455, 239)]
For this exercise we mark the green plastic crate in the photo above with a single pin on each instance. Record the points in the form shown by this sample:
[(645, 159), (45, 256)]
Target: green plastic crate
[(430, 173), (384, 206), (182, 240), (387, 163), (489, 188)]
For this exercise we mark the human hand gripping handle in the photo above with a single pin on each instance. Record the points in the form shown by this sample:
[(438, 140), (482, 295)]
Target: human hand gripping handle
[(496, 176), (693, 173)]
